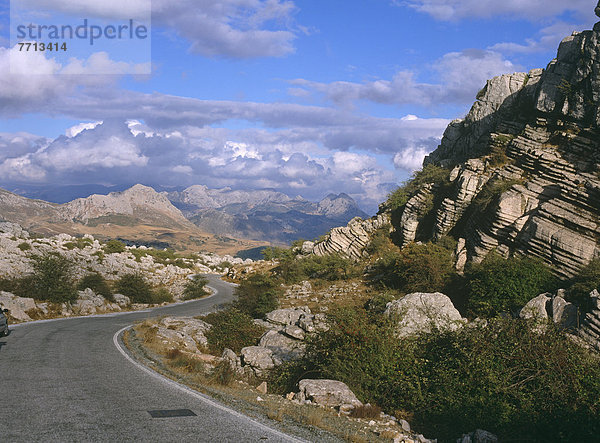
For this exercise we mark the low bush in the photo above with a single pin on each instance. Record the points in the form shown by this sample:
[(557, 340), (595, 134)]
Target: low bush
[(429, 174), (427, 267), (505, 285), (161, 295), (114, 246), (231, 329), (330, 267), (506, 377), (135, 287), (583, 283), (96, 283), (24, 246), (194, 288), (257, 295)]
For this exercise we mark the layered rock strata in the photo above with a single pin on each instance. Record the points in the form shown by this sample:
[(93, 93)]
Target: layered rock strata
[(530, 144)]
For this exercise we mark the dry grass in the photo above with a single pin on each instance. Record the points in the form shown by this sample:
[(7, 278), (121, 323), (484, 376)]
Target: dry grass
[(276, 414), (366, 411), (388, 434), (313, 416)]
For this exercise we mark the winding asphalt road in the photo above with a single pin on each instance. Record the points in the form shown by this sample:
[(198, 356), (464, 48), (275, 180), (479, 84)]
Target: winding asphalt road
[(65, 380)]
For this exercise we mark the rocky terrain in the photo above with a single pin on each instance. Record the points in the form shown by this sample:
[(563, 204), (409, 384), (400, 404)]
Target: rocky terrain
[(264, 214), (538, 133), (523, 171), (88, 255), (138, 215)]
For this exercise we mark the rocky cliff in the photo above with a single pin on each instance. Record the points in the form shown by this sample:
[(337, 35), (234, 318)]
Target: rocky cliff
[(524, 166), (522, 171)]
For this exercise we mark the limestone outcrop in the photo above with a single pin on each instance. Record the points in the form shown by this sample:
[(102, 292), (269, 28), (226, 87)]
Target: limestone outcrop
[(421, 312), (350, 240), (524, 166)]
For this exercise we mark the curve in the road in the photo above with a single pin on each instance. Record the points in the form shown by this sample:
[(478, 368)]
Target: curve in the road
[(66, 381)]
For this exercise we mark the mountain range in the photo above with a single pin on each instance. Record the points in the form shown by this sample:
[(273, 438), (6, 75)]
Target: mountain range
[(219, 220), (265, 215)]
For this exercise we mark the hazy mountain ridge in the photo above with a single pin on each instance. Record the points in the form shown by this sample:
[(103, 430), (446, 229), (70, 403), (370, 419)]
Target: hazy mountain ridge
[(264, 214)]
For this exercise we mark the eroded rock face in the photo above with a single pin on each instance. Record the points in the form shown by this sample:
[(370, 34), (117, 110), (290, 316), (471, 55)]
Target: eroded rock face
[(330, 393), (422, 312), (350, 240), (534, 140)]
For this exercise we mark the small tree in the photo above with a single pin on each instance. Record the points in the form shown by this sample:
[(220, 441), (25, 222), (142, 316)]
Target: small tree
[(257, 295), (51, 279), (135, 287), (231, 329)]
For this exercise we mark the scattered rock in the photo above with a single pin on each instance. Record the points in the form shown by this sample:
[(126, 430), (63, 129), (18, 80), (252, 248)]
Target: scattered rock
[(258, 358), (330, 393), (536, 308), (18, 306), (421, 312), (479, 436), (283, 348), (262, 388), (288, 316)]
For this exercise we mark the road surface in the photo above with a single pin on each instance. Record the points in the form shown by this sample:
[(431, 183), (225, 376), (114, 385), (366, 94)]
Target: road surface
[(66, 381)]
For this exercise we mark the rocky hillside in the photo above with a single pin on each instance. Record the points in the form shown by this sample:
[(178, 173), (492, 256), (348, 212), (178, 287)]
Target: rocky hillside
[(138, 215), (519, 174), (523, 167), (141, 204), (263, 215)]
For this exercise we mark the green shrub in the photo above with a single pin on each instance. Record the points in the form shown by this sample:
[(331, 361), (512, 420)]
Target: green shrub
[(114, 246), (231, 329), (330, 267), (194, 288), (24, 246), (161, 295), (429, 174), (96, 283), (583, 283), (505, 285), (135, 287), (506, 377), (51, 279), (491, 191), (425, 267), (257, 295)]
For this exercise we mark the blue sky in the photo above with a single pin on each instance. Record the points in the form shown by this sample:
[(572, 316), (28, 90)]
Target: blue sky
[(307, 97)]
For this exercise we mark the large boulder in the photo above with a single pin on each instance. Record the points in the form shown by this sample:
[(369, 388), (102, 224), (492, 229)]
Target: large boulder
[(287, 316), (88, 303), (536, 308), (122, 300), (259, 358), (18, 306), (283, 347), (478, 436), (330, 393), (176, 339), (422, 312), (564, 314)]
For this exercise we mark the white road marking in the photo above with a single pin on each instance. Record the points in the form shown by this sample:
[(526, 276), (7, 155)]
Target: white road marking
[(198, 395)]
